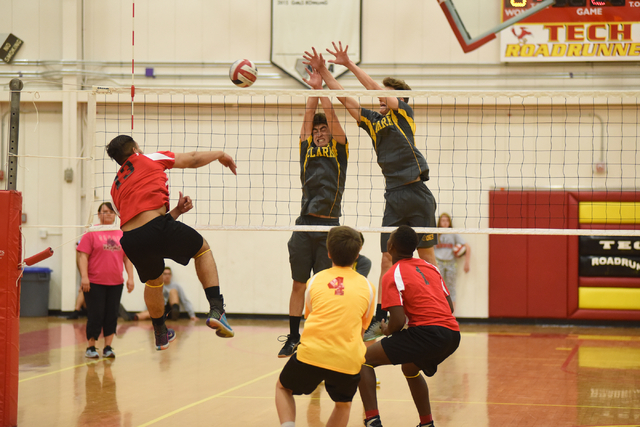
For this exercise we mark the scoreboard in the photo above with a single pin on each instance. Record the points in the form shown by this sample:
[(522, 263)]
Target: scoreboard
[(572, 30)]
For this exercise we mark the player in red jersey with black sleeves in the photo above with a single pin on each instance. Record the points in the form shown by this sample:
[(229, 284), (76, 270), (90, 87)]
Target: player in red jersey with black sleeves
[(414, 294), (140, 192)]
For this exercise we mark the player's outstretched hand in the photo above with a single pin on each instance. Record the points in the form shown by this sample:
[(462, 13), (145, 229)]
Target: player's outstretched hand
[(314, 80), (341, 56), (227, 160), (314, 59), (185, 204)]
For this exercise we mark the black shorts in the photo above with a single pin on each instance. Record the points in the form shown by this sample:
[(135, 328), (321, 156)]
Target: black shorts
[(424, 346), (302, 378), (308, 249), (162, 237), (413, 205)]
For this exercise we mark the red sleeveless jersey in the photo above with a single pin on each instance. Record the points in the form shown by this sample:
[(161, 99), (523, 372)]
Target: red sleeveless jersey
[(141, 184), (418, 287)]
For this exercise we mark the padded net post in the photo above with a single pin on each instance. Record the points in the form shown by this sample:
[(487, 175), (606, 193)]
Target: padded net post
[(10, 253)]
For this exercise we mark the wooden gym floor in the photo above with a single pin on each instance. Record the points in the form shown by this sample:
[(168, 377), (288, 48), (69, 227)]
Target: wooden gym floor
[(502, 375)]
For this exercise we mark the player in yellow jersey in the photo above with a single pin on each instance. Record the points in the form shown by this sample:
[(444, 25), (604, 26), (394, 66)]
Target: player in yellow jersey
[(339, 305)]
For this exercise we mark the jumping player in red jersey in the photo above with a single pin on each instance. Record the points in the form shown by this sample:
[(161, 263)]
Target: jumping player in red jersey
[(140, 193), (412, 289)]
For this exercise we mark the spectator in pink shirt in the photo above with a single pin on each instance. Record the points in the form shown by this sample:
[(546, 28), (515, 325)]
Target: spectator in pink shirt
[(100, 260)]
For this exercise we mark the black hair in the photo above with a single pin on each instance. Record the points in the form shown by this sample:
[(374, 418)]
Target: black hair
[(319, 119), (405, 241), (107, 204), (344, 244), (397, 84), (121, 148)]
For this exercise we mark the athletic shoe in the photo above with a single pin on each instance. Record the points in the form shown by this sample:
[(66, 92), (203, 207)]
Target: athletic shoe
[(373, 331), (373, 422), (73, 316), (426, 425), (164, 336), (218, 320), (122, 312), (108, 353), (290, 345), (175, 312), (91, 353)]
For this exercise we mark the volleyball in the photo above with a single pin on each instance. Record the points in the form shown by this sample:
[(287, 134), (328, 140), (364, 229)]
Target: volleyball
[(459, 250), (243, 73)]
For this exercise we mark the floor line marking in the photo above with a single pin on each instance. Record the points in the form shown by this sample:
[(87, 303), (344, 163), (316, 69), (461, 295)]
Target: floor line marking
[(191, 405), (75, 367)]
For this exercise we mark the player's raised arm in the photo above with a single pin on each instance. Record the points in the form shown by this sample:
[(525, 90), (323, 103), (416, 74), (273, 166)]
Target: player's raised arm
[(196, 159), (315, 82), (317, 62), (342, 58)]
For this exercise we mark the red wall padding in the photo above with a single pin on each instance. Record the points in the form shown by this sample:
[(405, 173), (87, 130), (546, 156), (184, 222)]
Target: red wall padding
[(537, 276), (10, 255), (528, 274)]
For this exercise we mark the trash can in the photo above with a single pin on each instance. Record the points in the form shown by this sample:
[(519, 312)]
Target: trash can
[(34, 292)]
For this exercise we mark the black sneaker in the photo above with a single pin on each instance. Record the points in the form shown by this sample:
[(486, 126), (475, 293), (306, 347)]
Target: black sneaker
[(174, 314), (373, 422), (92, 353), (290, 345), (122, 312), (431, 424), (218, 320), (108, 353), (73, 316), (164, 336)]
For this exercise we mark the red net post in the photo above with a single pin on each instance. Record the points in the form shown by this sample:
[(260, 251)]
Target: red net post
[(10, 254)]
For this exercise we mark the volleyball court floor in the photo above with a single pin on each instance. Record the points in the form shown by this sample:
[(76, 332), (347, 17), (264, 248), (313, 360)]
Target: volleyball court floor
[(502, 375)]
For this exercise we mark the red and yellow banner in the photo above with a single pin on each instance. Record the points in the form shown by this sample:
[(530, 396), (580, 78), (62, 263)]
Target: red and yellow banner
[(572, 33)]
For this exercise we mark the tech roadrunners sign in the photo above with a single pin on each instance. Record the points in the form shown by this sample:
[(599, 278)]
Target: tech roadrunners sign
[(609, 256), (576, 30)]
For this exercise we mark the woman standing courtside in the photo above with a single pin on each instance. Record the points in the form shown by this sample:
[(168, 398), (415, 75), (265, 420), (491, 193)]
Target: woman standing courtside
[(100, 259), (446, 254)]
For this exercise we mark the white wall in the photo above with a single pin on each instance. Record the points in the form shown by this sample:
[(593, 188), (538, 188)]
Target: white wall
[(191, 44)]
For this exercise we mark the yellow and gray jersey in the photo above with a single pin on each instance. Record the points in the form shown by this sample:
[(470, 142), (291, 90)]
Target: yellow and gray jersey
[(323, 173), (392, 136)]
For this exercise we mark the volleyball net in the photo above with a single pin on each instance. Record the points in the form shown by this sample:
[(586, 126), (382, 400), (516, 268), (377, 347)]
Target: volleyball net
[(489, 153)]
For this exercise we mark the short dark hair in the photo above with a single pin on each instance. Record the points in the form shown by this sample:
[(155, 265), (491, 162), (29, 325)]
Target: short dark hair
[(405, 240), (167, 268), (107, 204), (397, 84), (319, 119), (121, 148), (344, 244)]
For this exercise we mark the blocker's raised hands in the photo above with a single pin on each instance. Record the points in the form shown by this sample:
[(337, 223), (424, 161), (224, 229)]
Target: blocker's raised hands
[(314, 59), (314, 80), (340, 54)]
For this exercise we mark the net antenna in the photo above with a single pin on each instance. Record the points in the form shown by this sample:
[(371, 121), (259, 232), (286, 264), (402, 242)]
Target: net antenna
[(476, 23)]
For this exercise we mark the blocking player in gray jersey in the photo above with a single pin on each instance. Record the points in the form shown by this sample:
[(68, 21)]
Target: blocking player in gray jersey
[(392, 130), (324, 153)]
